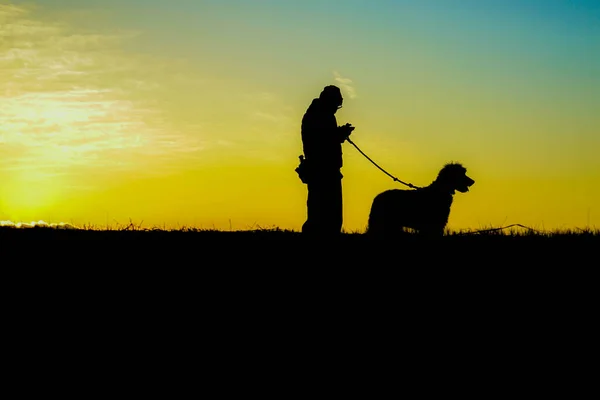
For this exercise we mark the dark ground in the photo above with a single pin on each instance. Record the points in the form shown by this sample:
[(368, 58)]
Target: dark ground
[(287, 249), (229, 299), (274, 265), (286, 270)]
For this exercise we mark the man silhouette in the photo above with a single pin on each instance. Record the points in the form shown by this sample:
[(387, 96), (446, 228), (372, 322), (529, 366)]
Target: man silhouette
[(322, 142)]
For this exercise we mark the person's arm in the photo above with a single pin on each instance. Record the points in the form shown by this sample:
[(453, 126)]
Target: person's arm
[(310, 140)]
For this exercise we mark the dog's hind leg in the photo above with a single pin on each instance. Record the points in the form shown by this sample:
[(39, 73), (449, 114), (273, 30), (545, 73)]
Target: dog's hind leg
[(376, 225)]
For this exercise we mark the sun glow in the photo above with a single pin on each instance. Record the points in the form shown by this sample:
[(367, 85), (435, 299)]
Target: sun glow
[(29, 193), (75, 114)]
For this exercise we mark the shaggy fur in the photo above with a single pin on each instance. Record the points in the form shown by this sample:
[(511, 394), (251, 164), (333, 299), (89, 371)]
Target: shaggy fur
[(425, 210)]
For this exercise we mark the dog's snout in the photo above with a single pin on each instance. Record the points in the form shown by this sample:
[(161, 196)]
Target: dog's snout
[(470, 181)]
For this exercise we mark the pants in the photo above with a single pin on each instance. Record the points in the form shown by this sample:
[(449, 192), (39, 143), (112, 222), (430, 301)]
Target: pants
[(324, 206)]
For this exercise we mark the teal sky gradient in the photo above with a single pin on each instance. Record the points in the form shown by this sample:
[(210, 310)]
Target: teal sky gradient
[(518, 45)]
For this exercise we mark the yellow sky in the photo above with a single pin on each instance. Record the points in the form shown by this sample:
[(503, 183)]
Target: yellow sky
[(101, 123)]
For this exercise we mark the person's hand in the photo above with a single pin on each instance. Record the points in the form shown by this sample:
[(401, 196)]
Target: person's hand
[(347, 129)]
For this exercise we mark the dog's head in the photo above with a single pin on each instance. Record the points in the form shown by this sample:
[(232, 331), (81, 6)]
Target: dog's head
[(454, 177)]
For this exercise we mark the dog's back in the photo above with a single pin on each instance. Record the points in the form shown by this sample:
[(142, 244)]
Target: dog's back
[(390, 210), (422, 210)]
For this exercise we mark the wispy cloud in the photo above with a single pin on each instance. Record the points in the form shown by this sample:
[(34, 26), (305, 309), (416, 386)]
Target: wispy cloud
[(72, 99), (345, 84), (270, 118), (10, 10)]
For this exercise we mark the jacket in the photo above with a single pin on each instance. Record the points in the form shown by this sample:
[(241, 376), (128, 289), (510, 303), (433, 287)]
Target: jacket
[(321, 139)]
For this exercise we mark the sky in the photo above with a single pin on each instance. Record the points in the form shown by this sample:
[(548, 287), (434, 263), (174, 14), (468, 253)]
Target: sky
[(186, 113)]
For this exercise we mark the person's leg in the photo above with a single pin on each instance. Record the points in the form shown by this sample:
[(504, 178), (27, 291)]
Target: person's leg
[(315, 207), (336, 215), (331, 207), (324, 207)]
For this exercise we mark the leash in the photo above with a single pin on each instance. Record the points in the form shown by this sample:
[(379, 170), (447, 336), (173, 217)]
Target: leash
[(499, 229), (410, 185)]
